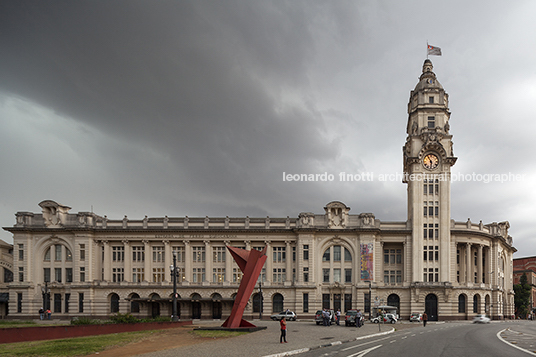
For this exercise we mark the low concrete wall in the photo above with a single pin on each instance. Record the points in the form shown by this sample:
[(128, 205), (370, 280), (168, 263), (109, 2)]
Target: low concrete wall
[(21, 334)]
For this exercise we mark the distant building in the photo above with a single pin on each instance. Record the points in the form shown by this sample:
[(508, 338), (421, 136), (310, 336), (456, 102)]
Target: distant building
[(528, 266), (91, 265), (6, 275)]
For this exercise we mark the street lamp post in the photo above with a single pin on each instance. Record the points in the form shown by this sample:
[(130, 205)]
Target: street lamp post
[(173, 268), (369, 298), (260, 300), (45, 292)]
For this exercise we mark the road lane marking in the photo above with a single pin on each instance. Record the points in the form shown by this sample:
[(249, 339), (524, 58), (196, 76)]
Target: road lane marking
[(366, 343), (508, 343), (364, 352)]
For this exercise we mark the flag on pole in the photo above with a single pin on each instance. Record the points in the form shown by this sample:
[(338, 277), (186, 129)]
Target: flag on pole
[(435, 51)]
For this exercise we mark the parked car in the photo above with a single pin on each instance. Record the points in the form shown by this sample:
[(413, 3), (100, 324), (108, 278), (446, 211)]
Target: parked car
[(415, 316), (387, 318), (318, 316), (481, 319), (289, 315), (350, 318)]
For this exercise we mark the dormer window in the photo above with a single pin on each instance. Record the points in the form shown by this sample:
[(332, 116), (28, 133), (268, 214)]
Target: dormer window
[(431, 122)]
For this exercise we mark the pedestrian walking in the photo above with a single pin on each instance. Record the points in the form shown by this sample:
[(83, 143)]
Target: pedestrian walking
[(283, 324), (358, 318), (41, 313), (324, 317), (49, 313), (424, 319), (338, 317)]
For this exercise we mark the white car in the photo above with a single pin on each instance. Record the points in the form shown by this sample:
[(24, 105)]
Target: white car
[(289, 315), (387, 318), (481, 319)]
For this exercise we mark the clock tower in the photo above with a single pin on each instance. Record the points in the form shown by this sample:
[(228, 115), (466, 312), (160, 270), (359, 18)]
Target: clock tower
[(428, 157)]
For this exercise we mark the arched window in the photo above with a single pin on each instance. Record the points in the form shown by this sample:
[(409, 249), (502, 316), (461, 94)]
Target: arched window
[(58, 264), (475, 304), (257, 302), (114, 303), (134, 305), (461, 303), (336, 265), (277, 303), (394, 300)]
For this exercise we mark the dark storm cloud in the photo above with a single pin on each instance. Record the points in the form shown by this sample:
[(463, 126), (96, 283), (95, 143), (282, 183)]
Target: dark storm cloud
[(198, 107)]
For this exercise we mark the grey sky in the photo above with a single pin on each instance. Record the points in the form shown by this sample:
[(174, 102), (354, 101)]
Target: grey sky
[(197, 108)]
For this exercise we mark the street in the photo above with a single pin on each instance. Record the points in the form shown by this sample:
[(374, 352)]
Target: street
[(444, 339)]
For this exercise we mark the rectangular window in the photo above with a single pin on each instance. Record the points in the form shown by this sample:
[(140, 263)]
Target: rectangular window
[(325, 274), (392, 256), (218, 255), (436, 211), (67, 298), (80, 302), (305, 302), (399, 256), (279, 254), (199, 275), (337, 253), (399, 276), (431, 211), (158, 275), (21, 251), (19, 302), (386, 256), (326, 257), (57, 303), (347, 275), (386, 276), (21, 274), (82, 274), (325, 301), (347, 255), (431, 100), (306, 252), (218, 275), (337, 275), (425, 189), (138, 254), (431, 122), (57, 275), (46, 274), (57, 252), (306, 274), (431, 189), (367, 302), (68, 255), (279, 275), (118, 254), (138, 275), (82, 252), (198, 254), (118, 275), (179, 253), (293, 254), (158, 254), (68, 275), (47, 255)]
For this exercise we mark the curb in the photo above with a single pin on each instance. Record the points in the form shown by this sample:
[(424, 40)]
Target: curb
[(302, 350)]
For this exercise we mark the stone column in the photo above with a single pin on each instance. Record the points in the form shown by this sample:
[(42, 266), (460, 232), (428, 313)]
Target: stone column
[(381, 264), (187, 261), (269, 262), (168, 261), (228, 263), (288, 262), (148, 263), (107, 263), (404, 265), (208, 261), (468, 269), (479, 265), (128, 261)]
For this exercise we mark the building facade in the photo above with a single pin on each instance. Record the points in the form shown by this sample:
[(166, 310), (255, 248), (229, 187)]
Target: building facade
[(86, 264), (527, 266), (6, 275)]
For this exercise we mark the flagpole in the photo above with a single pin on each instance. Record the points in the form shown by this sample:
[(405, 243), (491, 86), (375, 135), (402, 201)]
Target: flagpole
[(426, 49)]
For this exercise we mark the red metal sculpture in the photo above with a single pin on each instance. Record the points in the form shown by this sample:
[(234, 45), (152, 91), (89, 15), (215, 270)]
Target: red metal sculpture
[(250, 262)]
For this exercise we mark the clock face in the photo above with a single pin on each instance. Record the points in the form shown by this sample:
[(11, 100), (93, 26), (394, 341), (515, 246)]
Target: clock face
[(430, 161)]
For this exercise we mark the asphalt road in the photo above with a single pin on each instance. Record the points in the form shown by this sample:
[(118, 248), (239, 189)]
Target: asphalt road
[(453, 339)]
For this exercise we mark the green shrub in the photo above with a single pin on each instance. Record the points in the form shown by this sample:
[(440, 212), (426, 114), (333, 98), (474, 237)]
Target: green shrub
[(83, 320), (123, 319)]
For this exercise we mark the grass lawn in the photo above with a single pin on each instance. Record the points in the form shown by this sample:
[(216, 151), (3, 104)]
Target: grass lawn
[(217, 333), (78, 346)]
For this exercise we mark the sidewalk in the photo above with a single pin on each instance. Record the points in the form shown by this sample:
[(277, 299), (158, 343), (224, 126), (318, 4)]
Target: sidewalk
[(300, 335)]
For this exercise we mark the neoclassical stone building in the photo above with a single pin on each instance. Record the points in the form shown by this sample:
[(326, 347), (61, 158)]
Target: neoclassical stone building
[(93, 265)]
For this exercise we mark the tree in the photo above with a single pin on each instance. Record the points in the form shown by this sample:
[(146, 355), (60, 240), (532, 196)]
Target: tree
[(522, 296)]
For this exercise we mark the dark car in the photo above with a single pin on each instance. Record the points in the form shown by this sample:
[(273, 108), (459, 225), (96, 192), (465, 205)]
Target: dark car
[(350, 318), (289, 315)]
